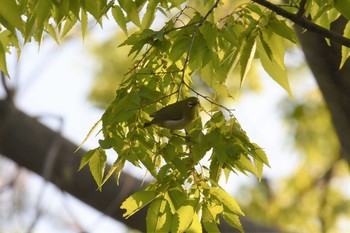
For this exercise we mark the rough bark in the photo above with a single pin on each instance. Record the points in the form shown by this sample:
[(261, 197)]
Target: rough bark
[(324, 61), (31, 144)]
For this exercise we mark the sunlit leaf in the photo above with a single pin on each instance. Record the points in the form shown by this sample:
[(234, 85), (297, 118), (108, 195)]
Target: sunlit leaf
[(97, 164), (137, 201), (159, 216), (149, 16), (119, 17), (345, 51), (183, 217), (247, 56), (226, 200)]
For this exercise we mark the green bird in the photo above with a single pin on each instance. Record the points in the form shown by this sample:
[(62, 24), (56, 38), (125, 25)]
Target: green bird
[(177, 115)]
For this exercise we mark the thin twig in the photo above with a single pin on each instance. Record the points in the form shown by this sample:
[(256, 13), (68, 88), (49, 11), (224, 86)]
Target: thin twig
[(187, 59)]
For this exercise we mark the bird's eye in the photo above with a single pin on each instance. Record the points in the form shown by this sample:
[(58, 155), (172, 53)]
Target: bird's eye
[(192, 104)]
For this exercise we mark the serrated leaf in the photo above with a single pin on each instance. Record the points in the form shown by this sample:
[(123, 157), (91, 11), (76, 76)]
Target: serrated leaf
[(247, 56), (68, 25), (137, 201), (183, 217), (259, 166), (176, 197), (345, 51), (210, 217), (3, 65), (226, 200), (84, 22), (195, 226), (179, 47), (52, 31), (89, 134), (86, 158), (10, 11), (97, 164), (275, 67), (149, 16), (343, 7), (281, 28), (244, 164), (116, 167), (159, 216), (260, 154), (265, 45), (119, 18), (233, 220)]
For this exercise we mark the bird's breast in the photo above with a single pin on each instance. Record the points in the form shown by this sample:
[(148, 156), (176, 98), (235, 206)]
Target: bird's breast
[(175, 124)]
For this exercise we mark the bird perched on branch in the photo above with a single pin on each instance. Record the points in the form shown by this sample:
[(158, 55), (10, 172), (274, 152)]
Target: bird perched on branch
[(177, 115)]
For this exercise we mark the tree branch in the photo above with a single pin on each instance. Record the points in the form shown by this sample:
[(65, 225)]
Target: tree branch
[(305, 23)]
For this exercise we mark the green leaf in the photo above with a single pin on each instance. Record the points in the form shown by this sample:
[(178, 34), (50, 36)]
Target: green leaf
[(149, 16), (10, 11), (275, 67), (159, 216), (260, 154), (3, 65), (176, 197), (265, 45), (343, 7), (116, 167), (210, 217), (183, 217), (84, 22), (259, 168), (244, 164), (233, 220), (179, 47), (281, 28), (119, 18), (226, 200), (97, 164), (345, 51), (137, 201), (86, 158), (195, 225), (247, 56), (68, 25)]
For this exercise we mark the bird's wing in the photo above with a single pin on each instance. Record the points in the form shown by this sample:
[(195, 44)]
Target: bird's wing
[(164, 114)]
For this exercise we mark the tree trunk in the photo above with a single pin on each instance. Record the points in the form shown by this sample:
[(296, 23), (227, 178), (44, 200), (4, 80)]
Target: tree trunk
[(32, 145), (324, 61)]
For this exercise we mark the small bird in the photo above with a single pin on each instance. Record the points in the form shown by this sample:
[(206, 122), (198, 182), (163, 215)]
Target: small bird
[(175, 116)]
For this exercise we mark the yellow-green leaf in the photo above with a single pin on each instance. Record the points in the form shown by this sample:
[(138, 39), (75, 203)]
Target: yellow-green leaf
[(275, 67), (195, 226), (226, 200), (343, 7), (159, 217), (183, 217), (119, 18), (247, 56), (149, 16), (97, 164), (345, 51), (233, 220), (138, 200), (11, 13)]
